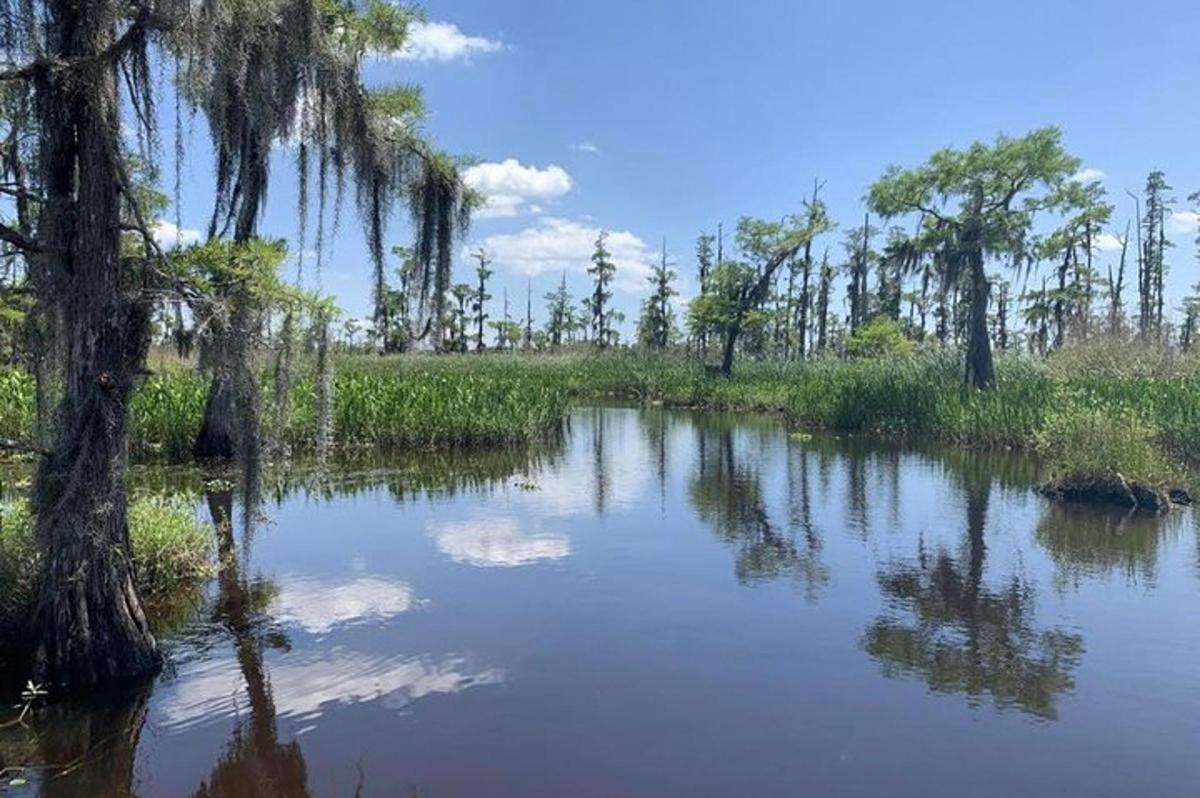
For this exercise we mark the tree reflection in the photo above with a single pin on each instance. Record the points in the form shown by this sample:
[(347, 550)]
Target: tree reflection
[(255, 761), (1089, 542), (80, 747), (653, 422), (964, 636), (90, 747), (726, 492), (405, 475), (601, 486), (812, 571)]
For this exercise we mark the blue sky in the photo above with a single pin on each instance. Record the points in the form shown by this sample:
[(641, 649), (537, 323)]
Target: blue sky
[(656, 118)]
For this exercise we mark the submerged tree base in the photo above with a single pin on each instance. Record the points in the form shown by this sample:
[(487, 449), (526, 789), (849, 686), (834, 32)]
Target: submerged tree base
[(172, 552), (1111, 487)]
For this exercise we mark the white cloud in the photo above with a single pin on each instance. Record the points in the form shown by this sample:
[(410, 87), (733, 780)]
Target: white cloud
[(1087, 175), (168, 235), (510, 186), (497, 543), (443, 41), (1107, 242), (586, 146), (1183, 222), (554, 245)]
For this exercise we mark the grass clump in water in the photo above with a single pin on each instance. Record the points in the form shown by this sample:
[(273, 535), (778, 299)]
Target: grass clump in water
[(1098, 455), (172, 549)]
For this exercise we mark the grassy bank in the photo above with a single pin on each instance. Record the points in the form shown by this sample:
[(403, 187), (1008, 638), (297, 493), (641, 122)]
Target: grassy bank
[(172, 550), (1142, 403), (469, 400), (919, 394), (419, 402)]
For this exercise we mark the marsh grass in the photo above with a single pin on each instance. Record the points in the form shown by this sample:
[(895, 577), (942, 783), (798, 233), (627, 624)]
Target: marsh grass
[(1102, 454), (472, 400), (1094, 439)]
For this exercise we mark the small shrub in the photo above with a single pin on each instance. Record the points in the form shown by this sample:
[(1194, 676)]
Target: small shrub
[(878, 337), (171, 547)]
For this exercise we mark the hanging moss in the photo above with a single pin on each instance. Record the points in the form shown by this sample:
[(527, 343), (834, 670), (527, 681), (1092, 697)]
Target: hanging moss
[(324, 383)]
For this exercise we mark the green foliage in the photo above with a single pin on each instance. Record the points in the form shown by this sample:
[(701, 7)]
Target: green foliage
[(17, 405), (561, 314), (218, 267), (995, 183), (402, 105), (384, 26), (878, 337), (656, 324), (979, 203), (18, 565), (421, 401), (1104, 441), (468, 400), (602, 270), (171, 548), (720, 307), (165, 415), (508, 333)]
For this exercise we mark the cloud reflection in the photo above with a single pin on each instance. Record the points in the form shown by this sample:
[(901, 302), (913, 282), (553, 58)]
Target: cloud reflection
[(319, 605), (497, 543), (305, 686)]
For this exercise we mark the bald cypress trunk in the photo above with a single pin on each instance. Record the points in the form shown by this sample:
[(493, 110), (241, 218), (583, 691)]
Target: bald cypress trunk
[(217, 439), (90, 626), (728, 348), (980, 371)]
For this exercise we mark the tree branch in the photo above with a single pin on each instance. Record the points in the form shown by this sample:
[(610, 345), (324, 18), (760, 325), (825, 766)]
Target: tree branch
[(20, 240), (17, 446), (144, 20)]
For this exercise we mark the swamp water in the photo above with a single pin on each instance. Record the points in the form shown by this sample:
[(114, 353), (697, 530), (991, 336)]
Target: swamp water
[(663, 604)]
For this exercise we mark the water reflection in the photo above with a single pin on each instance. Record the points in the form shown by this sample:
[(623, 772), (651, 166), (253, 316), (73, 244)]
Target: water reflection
[(951, 629), (497, 543), (255, 760), (86, 748), (814, 574), (585, 583), (1090, 542), (320, 605), (405, 476), (945, 622), (727, 493)]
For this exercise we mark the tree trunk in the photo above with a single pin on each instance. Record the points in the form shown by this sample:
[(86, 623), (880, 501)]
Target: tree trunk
[(231, 410), (728, 347), (980, 372), (217, 439), (802, 316), (90, 626)]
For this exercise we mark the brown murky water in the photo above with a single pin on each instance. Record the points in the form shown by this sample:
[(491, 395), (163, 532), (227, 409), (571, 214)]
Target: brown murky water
[(664, 604)]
